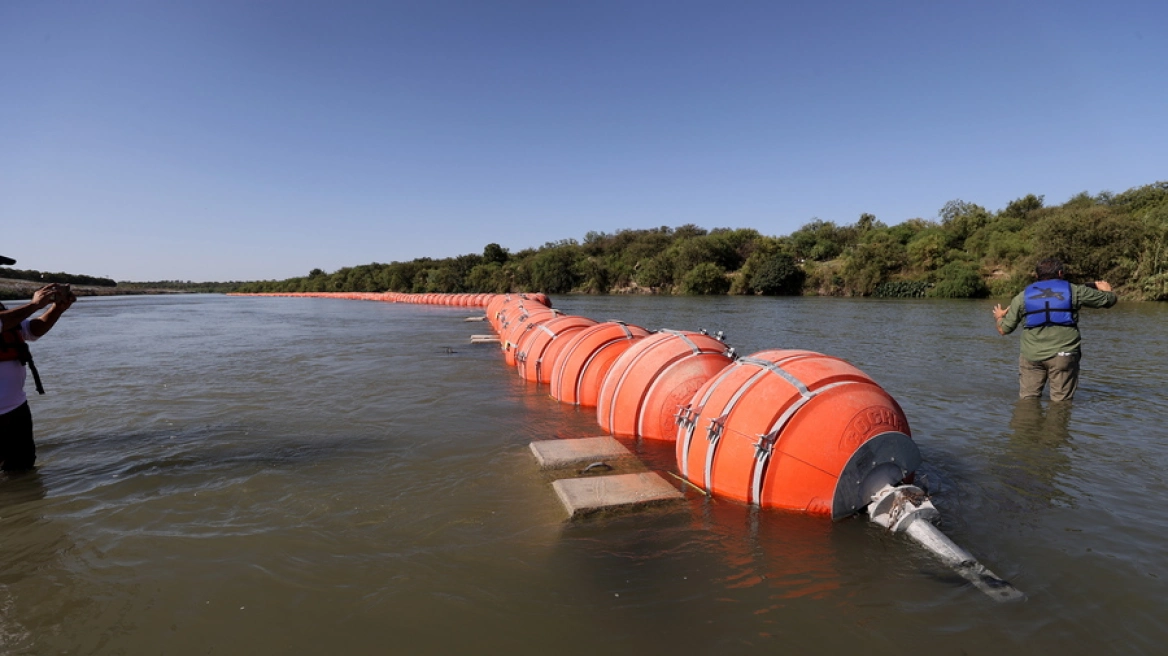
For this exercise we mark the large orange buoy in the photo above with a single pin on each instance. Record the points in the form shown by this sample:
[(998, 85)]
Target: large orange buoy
[(534, 300), (517, 327), (522, 330), (648, 384), (498, 308), (508, 313), (495, 304), (536, 354), (580, 367), (796, 430)]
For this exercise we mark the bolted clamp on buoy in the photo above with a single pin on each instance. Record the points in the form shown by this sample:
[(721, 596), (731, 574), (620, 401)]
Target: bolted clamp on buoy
[(907, 509)]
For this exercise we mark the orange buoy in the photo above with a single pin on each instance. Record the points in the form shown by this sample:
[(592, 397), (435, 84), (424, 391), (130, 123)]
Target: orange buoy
[(511, 335), (796, 430), (540, 298), (536, 354), (648, 384), (495, 309), (507, 314), (580, 368)]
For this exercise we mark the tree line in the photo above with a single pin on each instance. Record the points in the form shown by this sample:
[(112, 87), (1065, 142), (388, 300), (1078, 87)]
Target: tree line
[(966, 252), (186, 286), (108, 285), (46, 277)]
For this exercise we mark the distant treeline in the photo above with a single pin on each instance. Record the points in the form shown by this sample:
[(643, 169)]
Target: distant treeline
[(183, 286), (968, 252), (46, 277), (43, 277)]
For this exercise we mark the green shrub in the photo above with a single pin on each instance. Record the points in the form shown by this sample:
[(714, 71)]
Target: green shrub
[(823, 278), (1155, 288), (554, 271), (778, 275), (1009, 287), (959, 280), (655, 272), (902, 289), (706, 278), (926, 251), (1090, 240), (873, 262)]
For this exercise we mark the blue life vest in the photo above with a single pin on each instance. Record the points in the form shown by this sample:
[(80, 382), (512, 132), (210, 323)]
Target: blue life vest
[(1048, 303)]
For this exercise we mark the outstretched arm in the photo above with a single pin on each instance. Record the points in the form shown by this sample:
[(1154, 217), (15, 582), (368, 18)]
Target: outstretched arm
[(1100, 296), (10, 319), (62, 301)]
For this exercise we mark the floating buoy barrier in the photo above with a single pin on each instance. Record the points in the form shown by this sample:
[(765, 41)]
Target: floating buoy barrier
[(653, 379), (580, 368), (780, 429)]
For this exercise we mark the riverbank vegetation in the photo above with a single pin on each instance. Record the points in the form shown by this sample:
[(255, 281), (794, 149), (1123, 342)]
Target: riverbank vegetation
[(20, 284), (46, 277), (966, 252)]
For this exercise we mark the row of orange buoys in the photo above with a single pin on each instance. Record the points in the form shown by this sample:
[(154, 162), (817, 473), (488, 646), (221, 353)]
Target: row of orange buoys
[(780, 429), (455, 300)]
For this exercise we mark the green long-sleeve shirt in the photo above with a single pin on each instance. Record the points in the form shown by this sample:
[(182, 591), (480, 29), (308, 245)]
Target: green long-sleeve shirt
[(1045, 342)]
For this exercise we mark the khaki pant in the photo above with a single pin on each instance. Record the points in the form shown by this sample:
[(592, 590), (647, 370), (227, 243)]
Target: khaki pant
[(1062, 371)]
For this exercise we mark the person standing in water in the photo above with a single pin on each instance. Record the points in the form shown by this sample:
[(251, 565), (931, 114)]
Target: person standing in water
[(17, 328), (1048, 311)]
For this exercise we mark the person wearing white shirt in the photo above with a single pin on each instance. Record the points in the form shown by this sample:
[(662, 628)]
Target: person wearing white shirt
[(17, 328)]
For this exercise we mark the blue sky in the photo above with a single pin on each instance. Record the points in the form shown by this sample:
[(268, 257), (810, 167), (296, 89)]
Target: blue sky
[(244, 140)]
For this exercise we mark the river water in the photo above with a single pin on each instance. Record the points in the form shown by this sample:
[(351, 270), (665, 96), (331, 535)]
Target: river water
[(231, 475)]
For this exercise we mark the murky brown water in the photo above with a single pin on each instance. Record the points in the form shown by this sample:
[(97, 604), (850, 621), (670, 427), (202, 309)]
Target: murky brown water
[(294, 476)]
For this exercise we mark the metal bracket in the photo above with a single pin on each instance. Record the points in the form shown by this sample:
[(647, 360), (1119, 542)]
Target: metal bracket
[(765, 445), (717, 424), (895, 507)]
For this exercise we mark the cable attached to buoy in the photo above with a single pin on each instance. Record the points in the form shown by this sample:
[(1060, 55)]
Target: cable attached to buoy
[(700, 490), (907, 509)]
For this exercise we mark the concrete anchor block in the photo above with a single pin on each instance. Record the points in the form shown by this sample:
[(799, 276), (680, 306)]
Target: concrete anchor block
[(558, 454), (624, 492)]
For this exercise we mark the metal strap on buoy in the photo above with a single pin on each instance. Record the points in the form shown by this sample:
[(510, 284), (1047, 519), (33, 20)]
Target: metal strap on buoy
[(766, 442), (718, 424), (694, 410)]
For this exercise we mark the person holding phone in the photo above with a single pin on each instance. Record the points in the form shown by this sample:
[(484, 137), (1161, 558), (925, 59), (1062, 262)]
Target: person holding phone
[(18, 327)]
